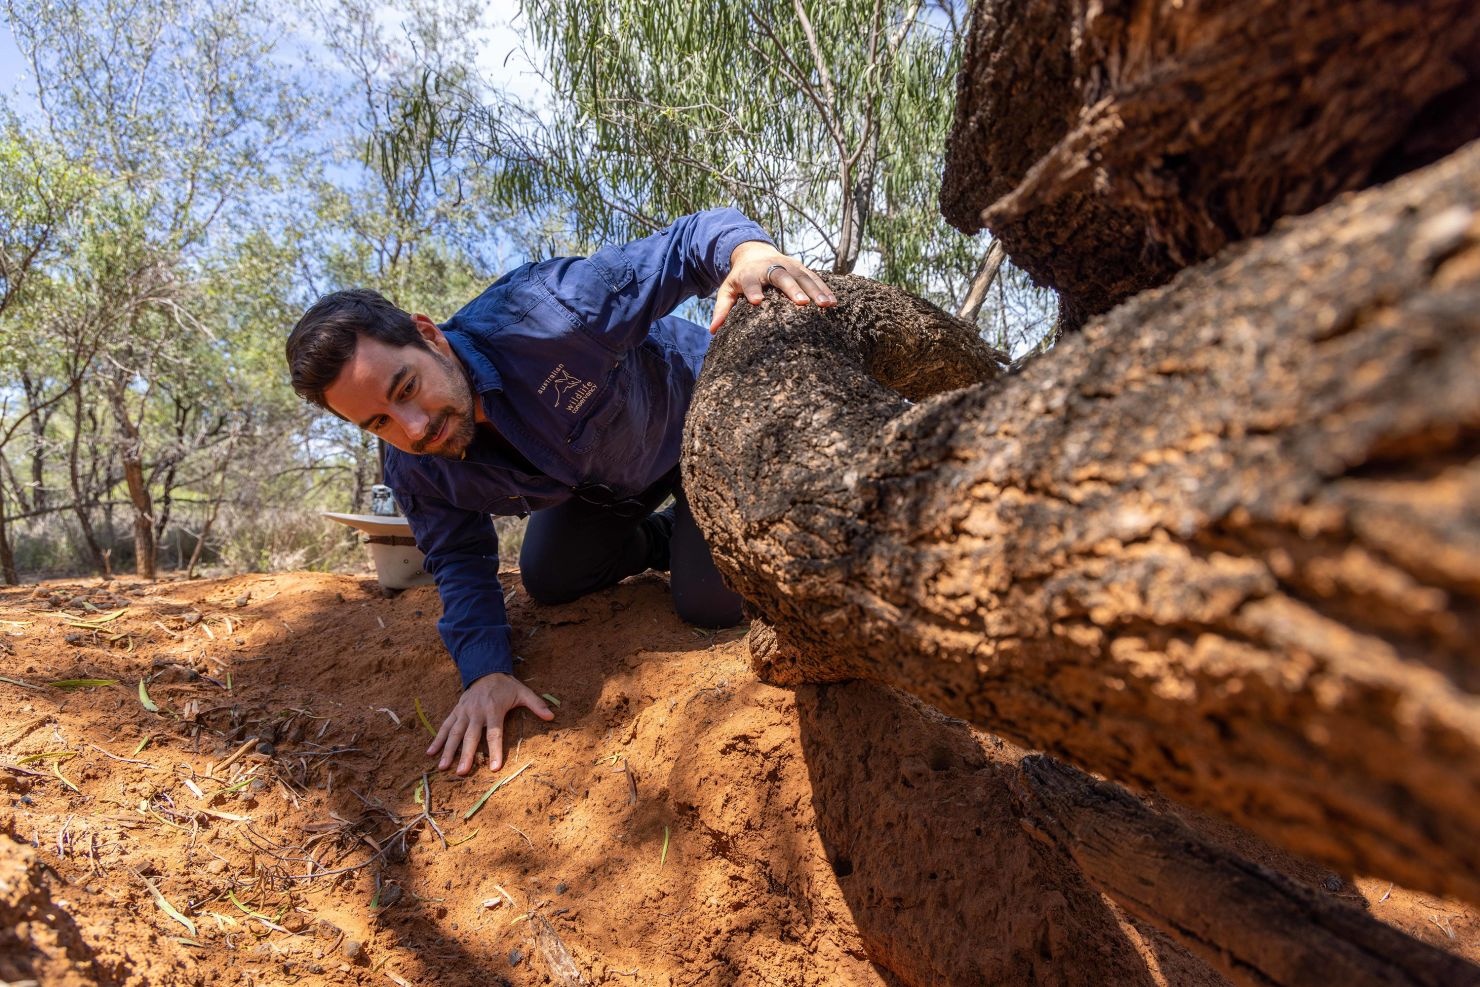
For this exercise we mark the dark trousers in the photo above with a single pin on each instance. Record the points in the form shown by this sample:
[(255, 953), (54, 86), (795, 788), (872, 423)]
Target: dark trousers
[(589, 543)]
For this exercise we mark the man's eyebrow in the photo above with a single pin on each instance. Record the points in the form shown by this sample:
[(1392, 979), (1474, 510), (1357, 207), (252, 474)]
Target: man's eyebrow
[(395, 383)]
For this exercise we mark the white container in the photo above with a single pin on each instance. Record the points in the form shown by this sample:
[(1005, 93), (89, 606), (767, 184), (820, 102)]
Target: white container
[(399, 564)]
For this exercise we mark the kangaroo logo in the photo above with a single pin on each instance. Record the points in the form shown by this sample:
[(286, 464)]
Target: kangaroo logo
[(569, 389), (563, 382)]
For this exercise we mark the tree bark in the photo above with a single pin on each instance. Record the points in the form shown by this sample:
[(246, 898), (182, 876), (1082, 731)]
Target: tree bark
[(1110, 145), (964, 862), (918, 818), (1256, 927), (1224, 544)]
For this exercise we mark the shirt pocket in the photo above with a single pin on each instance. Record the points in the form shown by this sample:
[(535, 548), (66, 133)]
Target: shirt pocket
[(606, 406)]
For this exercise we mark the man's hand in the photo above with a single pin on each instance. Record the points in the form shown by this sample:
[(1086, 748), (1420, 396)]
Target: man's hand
[(479, 716), (756, 264)]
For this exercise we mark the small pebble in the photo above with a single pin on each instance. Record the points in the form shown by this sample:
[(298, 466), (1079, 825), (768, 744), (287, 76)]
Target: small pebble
[(561, 888), (353, 950), (266, 748), (216, 867), (516, 956)]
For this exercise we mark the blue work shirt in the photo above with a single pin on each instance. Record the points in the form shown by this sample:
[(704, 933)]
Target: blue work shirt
[(587, 379)]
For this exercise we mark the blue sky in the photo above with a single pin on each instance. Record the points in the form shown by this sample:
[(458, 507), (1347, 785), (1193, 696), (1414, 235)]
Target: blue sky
[(501, 61), (12, 65)]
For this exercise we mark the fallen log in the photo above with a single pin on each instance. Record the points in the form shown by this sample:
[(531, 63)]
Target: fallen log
[(1225, 543), (1110, 145), (963, 862), (919, 818), (1258, 928)]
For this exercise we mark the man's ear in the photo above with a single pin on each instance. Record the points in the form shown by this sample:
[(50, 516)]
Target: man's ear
[(431, 333)]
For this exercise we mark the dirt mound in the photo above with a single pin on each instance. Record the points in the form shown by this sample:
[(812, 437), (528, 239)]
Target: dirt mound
[(275, 820)]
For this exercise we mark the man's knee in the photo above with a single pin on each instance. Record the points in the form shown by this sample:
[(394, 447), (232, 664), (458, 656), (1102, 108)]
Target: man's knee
[(713, 609), (544, 581)]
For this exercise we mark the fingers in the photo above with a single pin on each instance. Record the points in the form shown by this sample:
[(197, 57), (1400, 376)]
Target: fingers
[(755, 289), (537, 706), (792, 280), (723, 302), (801, 286), (495, 737), (472, 737), (440, 738)]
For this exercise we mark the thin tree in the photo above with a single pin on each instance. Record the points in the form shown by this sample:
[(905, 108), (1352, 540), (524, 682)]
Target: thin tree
[(825, 121)]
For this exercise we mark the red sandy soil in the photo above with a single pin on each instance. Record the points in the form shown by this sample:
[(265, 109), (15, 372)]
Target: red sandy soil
[(665, 829)]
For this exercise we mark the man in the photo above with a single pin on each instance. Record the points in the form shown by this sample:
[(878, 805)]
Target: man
[(560, 392)]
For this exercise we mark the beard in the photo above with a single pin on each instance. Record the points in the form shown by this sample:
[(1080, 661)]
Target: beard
[(460, 421)]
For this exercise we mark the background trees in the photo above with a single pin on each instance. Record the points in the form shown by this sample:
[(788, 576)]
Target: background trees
[(178, 181), (824, 121)]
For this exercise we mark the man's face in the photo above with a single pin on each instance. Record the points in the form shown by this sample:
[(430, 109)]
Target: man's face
[(415, 398)]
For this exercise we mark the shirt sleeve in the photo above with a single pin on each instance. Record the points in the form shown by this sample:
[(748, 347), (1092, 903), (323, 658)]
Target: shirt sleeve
[(461, 549), (618, 292)]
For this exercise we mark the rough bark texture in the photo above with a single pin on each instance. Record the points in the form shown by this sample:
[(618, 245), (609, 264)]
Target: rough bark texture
[(1108, 145), (1257, 927), (919, 819), (1224, 543)]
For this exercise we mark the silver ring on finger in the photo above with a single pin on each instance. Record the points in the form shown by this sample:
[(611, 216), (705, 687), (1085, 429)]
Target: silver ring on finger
[(774, 267)]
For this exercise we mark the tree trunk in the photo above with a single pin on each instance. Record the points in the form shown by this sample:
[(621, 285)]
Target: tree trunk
[(7, 554), (81, 503), (39, 416), (132, 452), (1110, 145), (1225, 543), (171, 468), (918, 819), (981, 282), (858, 201), (1256, 927), (963, 862), (367, 468)]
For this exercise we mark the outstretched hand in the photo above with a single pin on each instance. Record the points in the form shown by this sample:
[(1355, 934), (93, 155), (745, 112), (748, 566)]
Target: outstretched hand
[(478, 717), (756, 265)]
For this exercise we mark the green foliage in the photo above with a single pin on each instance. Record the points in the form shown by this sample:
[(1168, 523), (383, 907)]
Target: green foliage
[(41, 192), (181, 178), (825, 120)]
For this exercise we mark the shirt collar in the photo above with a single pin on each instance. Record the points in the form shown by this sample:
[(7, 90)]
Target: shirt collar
[(481, 371)]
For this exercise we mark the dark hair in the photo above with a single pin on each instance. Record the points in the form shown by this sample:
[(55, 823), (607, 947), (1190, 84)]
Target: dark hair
[(325, 337)]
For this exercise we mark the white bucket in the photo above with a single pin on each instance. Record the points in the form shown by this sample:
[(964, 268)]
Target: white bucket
[(399, 564)]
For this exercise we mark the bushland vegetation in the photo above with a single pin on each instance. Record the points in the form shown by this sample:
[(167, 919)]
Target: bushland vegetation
[(178, 181)]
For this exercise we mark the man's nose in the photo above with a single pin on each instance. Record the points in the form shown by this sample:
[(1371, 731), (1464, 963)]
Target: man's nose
[(414, 423)]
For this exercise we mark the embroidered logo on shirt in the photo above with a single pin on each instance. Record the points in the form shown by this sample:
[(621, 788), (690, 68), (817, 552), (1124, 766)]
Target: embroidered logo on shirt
[(568, 388)]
